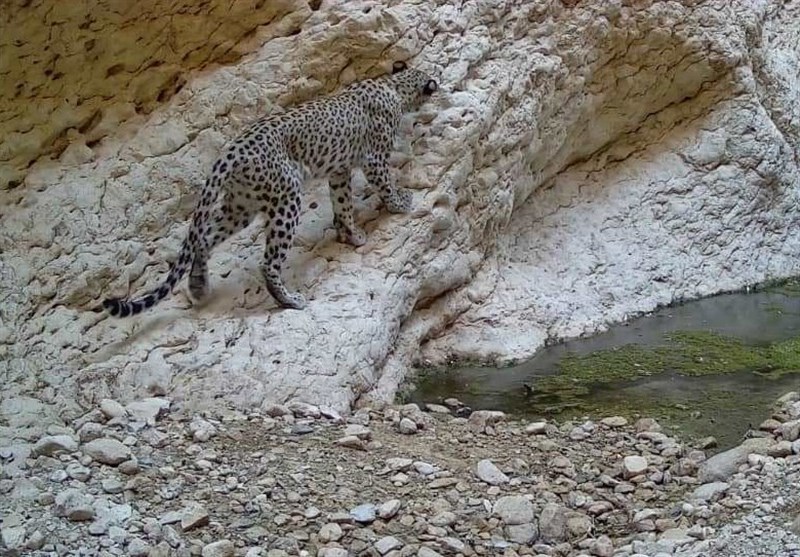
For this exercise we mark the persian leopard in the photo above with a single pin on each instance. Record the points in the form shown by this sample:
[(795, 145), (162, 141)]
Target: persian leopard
[(263, 170)]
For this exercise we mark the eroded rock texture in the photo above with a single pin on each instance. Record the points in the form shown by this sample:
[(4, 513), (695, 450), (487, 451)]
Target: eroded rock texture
[(584, 161), (76, 69)]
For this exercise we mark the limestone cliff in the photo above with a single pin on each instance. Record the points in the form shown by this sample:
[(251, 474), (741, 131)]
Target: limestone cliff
[(583, 162)]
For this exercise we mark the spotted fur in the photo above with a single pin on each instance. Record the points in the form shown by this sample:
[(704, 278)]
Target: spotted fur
[(263, 171)]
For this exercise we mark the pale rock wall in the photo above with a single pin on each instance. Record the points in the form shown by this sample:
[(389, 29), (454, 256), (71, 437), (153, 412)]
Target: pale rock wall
[(584, 162)]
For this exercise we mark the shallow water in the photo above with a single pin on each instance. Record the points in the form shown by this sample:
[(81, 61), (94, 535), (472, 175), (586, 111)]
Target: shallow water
[(723, 405)]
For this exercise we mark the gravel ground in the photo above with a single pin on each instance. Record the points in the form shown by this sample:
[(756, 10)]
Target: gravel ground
[(146, 479)]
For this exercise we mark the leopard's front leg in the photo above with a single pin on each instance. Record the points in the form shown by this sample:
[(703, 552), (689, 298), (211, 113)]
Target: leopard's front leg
[(376, 169)]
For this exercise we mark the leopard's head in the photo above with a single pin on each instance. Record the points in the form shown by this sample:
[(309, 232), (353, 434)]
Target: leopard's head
[(413, 85)]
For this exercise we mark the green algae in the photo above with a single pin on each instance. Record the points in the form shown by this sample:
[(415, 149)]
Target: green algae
[(691, 353)]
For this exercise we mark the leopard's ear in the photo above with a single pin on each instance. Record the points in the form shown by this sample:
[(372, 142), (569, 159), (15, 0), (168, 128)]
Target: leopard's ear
[(430, 87), (399, 66)]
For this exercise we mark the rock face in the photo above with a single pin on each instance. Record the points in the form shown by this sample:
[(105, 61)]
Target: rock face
[(583, 162), (73, 71)]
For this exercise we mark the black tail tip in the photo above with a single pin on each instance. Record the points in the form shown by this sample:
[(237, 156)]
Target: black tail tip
[(112, 305)]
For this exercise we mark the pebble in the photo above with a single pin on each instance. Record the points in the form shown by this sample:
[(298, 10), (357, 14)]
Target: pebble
[(221, 548), (112, 409), (488, 472), (614, 421), (147, 410), (514, 510), (74, 505), (330, 532), (389, 509), (107, 451), (387, 544), (351, 442), (407, 426), (202, 430), (359, 431), (139, 548), (536, 428), (364, 513), (194, 516), (54, 444), (634, 466)]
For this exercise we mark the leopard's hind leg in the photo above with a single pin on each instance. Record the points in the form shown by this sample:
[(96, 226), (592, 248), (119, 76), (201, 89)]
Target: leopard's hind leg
[(282, 210), (228, 216)]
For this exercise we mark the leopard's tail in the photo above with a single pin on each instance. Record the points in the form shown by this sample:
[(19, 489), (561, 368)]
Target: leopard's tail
[(125, 307)]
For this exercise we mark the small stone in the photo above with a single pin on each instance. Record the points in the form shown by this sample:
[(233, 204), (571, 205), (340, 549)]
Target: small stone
[(522, 533), (707, 442), (398, 464), (487, 472), (769, 424), (453, 545), (790, 431), (222, 548), (614, 421), (73, 505), (35, 541), (553, 523), (312, 512), (364, 513), (202, 430), (481, 419), (647, 424), (304, 410), (424, 469), (330, 532), (795, 526), (148, 410), (426, 551), (407, 426), (579, 525), (602, 547), (437, 409), (514, 510), (112, 409), (634, 466), (333, 552), (78, 472), (54, 444), (129, 467), (389, 509), (536, 428), (155, 438), (90, 431), (442, 519), (195, 516), (138, 548), (302, 429), (107, 451), (387, 544), (710, 492), (358, 430), (351, 442), (780, 449), (723, 465), (440, 483), (112, 485), (13, 538)]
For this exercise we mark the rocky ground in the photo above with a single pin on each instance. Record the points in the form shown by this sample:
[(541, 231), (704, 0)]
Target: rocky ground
[(148, 480)]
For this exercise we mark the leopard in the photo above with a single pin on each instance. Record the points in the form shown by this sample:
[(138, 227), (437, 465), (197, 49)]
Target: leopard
[(262, 171)]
